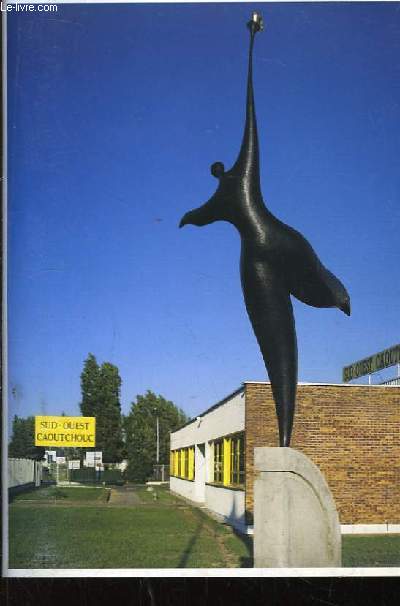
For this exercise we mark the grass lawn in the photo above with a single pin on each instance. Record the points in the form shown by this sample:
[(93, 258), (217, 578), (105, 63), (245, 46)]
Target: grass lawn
[(65, 494), (371, 551), (161, 533), (69, 527)]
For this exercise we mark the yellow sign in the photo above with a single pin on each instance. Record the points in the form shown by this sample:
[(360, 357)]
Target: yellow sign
[(65, 432), (383, 359)]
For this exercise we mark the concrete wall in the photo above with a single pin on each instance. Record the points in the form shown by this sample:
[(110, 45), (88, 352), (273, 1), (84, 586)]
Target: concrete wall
[(225, 502), (228, 503), (24, 471), (351, 432), (186, 488)]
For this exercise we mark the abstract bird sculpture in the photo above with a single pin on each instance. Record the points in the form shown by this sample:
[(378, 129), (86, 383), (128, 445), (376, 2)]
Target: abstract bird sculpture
[(276, 261)]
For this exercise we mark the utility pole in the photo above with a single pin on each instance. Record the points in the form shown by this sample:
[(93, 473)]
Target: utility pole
[(158, 439)]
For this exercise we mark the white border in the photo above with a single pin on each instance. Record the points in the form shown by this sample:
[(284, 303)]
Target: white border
[(129, 572), (185, 1), (204, 572), (4, 361)]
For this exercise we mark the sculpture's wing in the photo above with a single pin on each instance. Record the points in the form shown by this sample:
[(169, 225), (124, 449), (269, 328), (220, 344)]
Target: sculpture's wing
[(313, 284), (271, 314), (307, 278)]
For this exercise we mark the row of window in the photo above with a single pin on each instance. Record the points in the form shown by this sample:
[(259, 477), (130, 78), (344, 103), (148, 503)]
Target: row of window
[(182, 463), (227, 461)]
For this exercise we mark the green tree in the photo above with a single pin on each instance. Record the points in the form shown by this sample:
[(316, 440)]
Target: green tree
[(101, 388), (90, 384), (140, 429), (22, 444), (108, 419)]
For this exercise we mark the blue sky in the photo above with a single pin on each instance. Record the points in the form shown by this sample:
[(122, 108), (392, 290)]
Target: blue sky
[(116, 113)]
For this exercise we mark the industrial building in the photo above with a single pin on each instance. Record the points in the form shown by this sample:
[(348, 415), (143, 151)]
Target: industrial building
[(351, 432)]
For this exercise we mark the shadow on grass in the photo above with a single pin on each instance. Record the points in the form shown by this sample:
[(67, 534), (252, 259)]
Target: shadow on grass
[(186, 553), (231, 550), (245, 561)]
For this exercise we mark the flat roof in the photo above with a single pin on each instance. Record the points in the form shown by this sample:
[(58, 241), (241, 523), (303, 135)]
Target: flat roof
[(241, 388), (326, 384), (214, 406)]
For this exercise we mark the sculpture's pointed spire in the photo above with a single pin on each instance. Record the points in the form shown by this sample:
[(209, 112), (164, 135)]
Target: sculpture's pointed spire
[(247, 164)]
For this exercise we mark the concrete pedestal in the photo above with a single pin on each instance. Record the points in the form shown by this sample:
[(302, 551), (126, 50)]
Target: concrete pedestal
[(296, 524)]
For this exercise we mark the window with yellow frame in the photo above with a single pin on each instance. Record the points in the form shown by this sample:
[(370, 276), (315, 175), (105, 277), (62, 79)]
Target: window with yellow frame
[(182, 463), (237, 460), (228, 462), (219, 461)]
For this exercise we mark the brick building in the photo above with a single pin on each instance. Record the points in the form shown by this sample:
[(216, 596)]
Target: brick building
[(351, 432)]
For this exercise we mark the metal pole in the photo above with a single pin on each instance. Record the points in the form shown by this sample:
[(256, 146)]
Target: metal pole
[(158, 441)]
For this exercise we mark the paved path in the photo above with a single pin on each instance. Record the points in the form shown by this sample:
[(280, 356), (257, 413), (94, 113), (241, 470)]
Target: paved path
[(124, 496)]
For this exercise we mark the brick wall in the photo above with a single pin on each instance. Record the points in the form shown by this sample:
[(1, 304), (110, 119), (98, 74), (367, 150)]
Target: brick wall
[(352, 433)]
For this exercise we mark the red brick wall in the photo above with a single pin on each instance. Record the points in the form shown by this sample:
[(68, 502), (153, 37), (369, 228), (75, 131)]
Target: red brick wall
[(352, 433)]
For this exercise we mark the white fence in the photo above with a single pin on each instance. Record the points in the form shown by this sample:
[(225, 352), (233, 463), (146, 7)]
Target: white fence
[(395, 381), (24, 471)]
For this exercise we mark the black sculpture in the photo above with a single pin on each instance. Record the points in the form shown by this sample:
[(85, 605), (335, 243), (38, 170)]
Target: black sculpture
[(276, 261)]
